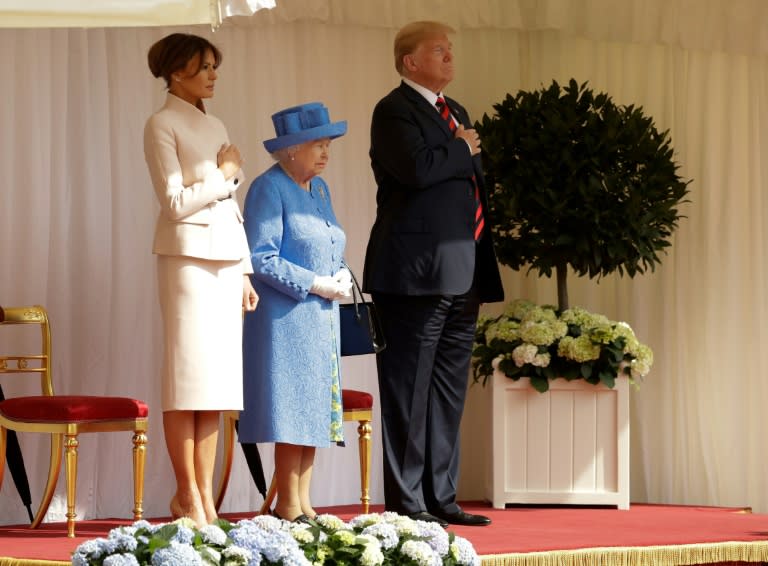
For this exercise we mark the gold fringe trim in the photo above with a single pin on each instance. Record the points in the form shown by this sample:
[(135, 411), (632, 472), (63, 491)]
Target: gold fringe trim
[(5, 561), (678, 555)]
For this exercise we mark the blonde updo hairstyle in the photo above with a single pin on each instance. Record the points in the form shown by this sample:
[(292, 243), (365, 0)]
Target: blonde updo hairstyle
[(174, 51)]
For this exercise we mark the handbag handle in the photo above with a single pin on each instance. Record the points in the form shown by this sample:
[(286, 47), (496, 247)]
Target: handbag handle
[(376, 335), (357, 294)]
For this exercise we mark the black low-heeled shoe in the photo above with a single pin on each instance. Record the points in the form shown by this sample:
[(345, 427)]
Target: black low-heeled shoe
[(300, 519)]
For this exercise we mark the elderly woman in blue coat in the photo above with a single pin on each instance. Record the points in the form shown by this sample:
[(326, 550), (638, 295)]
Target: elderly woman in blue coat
[(292, 391)]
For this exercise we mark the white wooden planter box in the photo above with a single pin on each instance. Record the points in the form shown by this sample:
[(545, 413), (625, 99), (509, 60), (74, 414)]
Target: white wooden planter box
[(569, 445)]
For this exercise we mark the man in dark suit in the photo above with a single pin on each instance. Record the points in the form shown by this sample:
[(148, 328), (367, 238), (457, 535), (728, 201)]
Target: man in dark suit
[(429, 264)]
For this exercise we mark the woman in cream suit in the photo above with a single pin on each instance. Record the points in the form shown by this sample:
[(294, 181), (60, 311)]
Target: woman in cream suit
[(203, 262)]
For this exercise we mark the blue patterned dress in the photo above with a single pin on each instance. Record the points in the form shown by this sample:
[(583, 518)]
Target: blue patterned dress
[(291, 368)]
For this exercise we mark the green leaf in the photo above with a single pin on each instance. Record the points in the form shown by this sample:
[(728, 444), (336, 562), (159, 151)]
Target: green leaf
[(608, 379), (210, 556)]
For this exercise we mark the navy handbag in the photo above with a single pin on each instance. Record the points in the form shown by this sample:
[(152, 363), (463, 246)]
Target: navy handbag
[(361, 331)]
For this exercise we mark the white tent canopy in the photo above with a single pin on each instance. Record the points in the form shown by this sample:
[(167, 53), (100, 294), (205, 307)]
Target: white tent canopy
[(727, 25), (124, 13)]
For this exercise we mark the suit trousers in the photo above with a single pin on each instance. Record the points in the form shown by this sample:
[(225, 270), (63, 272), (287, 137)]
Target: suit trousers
[(423, 376)]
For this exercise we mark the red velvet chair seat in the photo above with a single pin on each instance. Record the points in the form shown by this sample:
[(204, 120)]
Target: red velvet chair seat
[(72, 408), (356, 400)]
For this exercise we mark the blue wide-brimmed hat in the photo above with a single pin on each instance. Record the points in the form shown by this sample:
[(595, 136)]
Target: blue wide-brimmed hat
[(304, 123)]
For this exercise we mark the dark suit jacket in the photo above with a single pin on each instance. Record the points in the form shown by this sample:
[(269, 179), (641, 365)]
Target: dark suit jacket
[(422, 242)]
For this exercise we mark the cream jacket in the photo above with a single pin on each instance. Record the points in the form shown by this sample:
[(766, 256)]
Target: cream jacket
[(196, 218)]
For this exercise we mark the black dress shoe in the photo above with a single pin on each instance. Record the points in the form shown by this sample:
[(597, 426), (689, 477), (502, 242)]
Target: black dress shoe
[(462, 518), (424, 516)]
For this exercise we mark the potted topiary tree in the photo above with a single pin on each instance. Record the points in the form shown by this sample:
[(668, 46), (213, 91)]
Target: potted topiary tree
[(576, 183)]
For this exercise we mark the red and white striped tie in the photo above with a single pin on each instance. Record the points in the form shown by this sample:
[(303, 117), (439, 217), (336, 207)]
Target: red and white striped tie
[(445, 113)]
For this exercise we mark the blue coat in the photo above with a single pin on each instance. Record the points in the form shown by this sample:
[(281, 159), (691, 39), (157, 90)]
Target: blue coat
[(289, 341)]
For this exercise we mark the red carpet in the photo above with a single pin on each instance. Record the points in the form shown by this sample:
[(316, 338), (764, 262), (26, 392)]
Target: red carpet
[(519, 536)]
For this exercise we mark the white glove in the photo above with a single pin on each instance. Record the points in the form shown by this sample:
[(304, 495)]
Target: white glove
[(327, 287), (344, 280)]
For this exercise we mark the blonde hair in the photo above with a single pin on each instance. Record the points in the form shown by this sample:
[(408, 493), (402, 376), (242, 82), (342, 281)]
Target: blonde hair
[(411, 35)]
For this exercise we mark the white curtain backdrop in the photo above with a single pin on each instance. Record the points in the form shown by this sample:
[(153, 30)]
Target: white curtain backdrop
[(77, 214)]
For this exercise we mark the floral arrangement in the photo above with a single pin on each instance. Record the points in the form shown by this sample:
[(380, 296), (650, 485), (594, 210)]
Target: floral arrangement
[(540, 343), (367, 540)]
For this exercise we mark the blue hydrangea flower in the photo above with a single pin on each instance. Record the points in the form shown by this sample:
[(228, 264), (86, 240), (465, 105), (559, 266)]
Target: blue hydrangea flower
[(464, 553), (274, 546), (122, 541), (95, 548), (176, 555), (142, 524), (434, 535), (121, 560), (184, 535), (386, 533)]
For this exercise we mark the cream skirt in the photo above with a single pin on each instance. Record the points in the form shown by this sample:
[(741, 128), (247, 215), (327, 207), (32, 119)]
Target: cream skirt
[(201, 304)]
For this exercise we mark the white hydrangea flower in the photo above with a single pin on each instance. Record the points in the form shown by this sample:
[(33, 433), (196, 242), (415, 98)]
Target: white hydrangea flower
[(331, 522), (235, 556), (213, 534), (372, 555), (302, 534), (421, 553), (524, 354)]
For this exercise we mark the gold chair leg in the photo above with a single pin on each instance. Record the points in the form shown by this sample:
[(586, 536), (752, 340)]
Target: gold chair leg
[(364, 431), (70, 444), (271, 492), (139, 458), (3, 440), (226, 465), (54, 467)]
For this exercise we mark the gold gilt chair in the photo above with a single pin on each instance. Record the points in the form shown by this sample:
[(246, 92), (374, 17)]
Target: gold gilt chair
[(358, 406), (64, 417)]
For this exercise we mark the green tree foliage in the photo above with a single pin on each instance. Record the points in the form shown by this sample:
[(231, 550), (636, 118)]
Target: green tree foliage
[(576, 180)]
